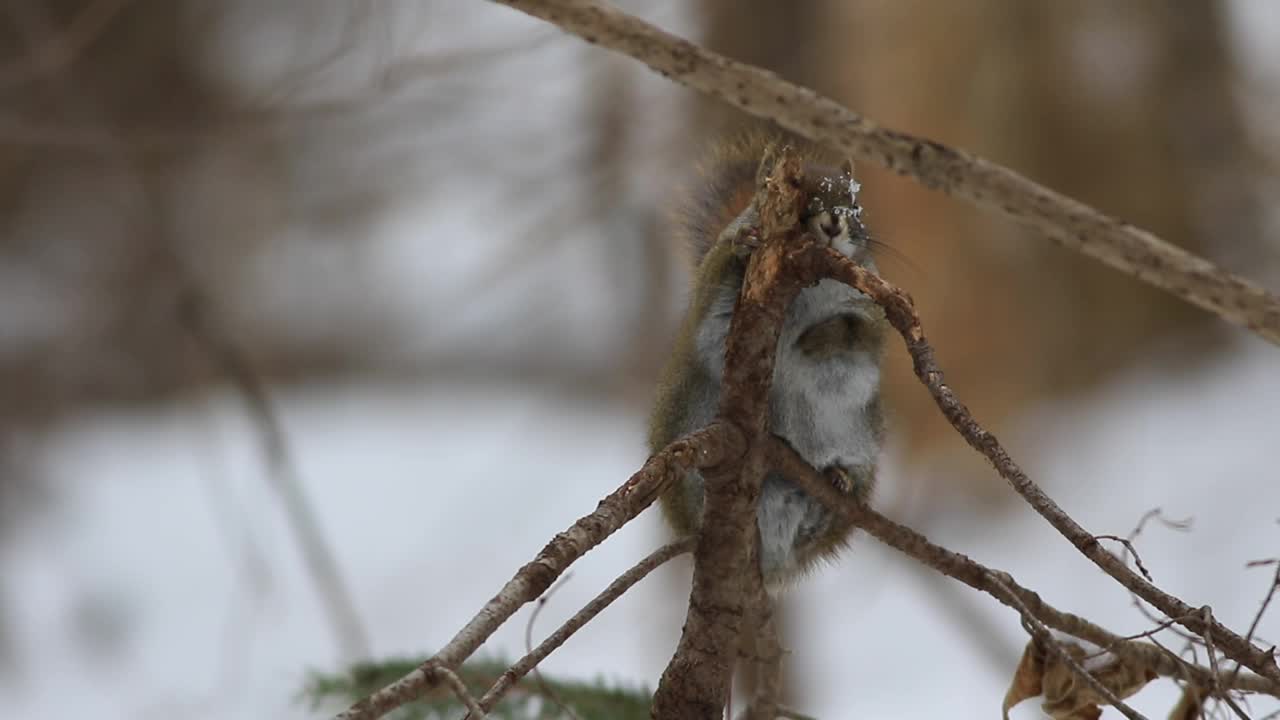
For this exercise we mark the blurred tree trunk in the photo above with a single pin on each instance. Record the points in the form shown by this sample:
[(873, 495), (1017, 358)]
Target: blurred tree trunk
[(1094, 100)]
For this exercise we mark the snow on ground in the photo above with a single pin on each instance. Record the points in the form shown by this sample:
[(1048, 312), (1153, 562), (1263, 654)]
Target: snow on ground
[(433, 496)]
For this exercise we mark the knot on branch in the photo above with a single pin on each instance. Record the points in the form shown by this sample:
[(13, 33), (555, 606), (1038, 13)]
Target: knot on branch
[(778, 195), (722, 442)]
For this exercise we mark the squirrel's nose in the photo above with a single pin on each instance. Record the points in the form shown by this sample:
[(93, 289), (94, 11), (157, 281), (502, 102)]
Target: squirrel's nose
[(831, 226)]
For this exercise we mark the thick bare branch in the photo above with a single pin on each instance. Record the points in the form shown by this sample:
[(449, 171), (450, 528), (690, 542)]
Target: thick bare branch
[(766, 654), (1068, 222), (696, 681), (706, 448)]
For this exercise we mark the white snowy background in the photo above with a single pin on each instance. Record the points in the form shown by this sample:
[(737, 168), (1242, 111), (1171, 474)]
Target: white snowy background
[(433, 496)]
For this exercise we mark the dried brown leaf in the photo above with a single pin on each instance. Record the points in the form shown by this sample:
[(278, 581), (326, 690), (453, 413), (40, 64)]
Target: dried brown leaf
[(1066, 695), (1027, 679)]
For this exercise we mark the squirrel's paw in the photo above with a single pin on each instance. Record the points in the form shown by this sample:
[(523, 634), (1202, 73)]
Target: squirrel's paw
[(840, 478), (746, 239)]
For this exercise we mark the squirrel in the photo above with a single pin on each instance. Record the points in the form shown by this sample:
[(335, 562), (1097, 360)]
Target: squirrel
[(825, 397)]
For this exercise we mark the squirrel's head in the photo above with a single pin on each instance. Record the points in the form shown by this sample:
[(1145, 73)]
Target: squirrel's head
[(723, 197), (832, 213)]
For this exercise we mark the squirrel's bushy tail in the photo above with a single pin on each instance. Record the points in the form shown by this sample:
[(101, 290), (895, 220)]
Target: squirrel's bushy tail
[(726, 184)]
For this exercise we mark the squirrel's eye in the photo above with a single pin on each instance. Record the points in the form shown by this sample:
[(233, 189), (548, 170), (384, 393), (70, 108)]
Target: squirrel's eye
[(851, 211)]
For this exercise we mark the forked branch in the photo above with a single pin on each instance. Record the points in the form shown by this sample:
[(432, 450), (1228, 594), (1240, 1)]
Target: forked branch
[(901, 314), (703, 449), (982, 578), (615, 590)]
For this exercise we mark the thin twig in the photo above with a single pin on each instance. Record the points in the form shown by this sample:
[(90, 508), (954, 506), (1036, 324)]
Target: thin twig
[(1068, 222), (1212, 652), (1158, 515), (1151, 633), (1266, 600), (1131, 551), (460, 689), (616, 589), (705, 448), (543, 687)]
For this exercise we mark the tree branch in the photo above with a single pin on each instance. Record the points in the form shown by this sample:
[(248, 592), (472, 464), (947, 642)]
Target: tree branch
[(1068, 222), (696, 681), (461, 692), (706, 448), (765, 646), (623, 583)]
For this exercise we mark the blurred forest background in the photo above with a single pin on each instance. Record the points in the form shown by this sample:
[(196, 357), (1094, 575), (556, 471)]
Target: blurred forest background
[(400, 228)]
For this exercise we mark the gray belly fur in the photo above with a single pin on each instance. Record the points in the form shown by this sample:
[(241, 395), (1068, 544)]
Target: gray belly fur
[(825, 404)]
